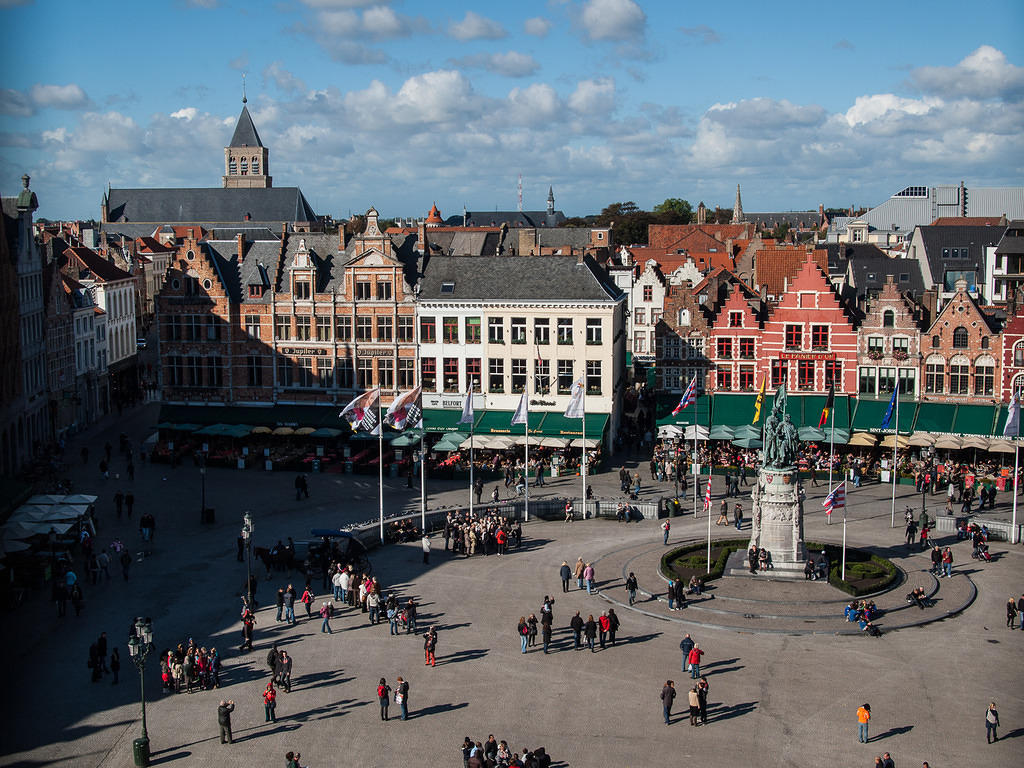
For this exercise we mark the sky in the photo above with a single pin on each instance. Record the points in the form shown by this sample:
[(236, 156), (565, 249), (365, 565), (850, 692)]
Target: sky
[(404, 103)]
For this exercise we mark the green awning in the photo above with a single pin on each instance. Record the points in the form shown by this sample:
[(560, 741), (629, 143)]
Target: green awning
[(736, 410), (974, 419), (806, 410), (666, 403), (236, 430), (443, 420), (500, 423), (450, 442), (404, 440), (869, 414), (325, 432), (935, 417), (721, 432), (557, 425), (1001, 416), (266, 416), (812, 435), (212, 429)]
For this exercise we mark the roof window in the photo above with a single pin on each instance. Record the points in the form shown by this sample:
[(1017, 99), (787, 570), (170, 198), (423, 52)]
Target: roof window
[(448, 287)]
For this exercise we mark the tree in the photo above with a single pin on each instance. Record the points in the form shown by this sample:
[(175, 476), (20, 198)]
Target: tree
[(674, 210), (781, 232), (630, 223)]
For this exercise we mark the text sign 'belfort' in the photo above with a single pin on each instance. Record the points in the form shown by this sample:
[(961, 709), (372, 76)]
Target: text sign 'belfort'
[(808, 356)]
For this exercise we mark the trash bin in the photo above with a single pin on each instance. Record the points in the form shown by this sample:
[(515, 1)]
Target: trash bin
[(140, 751), (316, 465)]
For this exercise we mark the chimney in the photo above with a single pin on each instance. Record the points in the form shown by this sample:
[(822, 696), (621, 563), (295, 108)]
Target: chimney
[(579, 257), (423, 245), (241, 247)]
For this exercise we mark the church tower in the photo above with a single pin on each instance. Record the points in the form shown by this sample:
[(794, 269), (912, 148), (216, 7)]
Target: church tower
[(246, 160), (551, 201), (737, 208)]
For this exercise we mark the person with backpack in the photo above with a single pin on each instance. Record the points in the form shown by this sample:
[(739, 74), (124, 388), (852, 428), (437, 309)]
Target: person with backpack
[(524, 633), (383, 697)]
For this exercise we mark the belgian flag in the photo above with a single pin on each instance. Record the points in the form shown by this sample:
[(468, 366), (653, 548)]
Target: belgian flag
[(829, 404)]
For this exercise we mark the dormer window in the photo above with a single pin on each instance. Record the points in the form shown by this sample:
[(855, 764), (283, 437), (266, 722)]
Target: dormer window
[(448, 287), (256, 291), (301, 289)]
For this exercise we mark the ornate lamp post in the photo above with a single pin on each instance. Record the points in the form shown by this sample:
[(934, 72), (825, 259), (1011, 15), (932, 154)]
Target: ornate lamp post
[(202, 474), (247, 530), (139, 645)]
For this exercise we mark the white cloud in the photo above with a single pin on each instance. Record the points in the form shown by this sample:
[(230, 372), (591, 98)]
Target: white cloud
[(876, 107), (15, 103), (376, 23), (621, 20), (107, 132), (202, 3), (509, 64), (593, 97), (535, 103), (69, 96), (985, 73), (702, 33), (538, 26), (276, 73), (185, 113), (476, 27), (761, 115)]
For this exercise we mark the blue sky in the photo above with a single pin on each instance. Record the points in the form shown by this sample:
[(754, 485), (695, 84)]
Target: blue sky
[(400, 104)]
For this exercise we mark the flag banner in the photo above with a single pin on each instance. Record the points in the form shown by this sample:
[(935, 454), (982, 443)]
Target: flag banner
[(575, 408), (836, 499), (519, 417), (889, 411), (707, 496), (467, 409), (1012, 428), (689, 396), (405, 411), (361, 413), (829, 405), (759, 401)]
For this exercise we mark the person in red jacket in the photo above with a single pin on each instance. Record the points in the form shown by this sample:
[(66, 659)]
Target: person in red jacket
[(694, 660), (604, 624), (270, 702), (502, 539)]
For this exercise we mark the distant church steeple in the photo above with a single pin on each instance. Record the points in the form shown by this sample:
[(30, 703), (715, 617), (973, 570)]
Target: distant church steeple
[(737, 208), (551, 201), (246, 160)]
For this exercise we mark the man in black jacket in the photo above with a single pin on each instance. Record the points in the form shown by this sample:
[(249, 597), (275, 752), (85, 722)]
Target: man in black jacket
[(224, 720), (686, 646), (576, 624)]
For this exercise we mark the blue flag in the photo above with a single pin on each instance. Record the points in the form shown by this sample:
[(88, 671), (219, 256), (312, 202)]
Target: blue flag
[(889, 410)]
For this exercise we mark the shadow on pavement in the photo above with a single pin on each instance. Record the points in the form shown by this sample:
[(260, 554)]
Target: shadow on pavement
[(158, 758), (468, 655), (727, 713), (892, 732), (436, 710)]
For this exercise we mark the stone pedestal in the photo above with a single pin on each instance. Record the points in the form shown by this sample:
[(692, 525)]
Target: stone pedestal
[(778, 517)]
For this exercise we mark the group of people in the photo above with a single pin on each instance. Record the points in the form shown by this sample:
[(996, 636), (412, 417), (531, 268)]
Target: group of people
[(184, 669), (760, 559), (497, 754), (486, 534), (816, 568), (581, 571), (98, 660)]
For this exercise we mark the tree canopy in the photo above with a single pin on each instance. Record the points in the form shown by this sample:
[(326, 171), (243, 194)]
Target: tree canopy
[(631, 221)]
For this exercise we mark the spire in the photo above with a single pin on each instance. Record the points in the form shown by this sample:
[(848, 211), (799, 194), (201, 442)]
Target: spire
[(737, 208), (244, 100), (245, 130), (551, 201)]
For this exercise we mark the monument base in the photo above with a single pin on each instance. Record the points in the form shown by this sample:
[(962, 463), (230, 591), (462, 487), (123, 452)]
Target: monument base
[(738, 566)]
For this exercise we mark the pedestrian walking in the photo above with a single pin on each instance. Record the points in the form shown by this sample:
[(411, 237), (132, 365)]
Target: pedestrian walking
[(604, 624), (723, 513), (326, 611), (665, 528), (590, 632), (283, 671), (991, 723), (248, 625), (686, 645), (289, 605), (224, 711), (270, 703), (430, 647), (863, 718), (576, 625), (694, 659), (425, 544), (410, 617), (383, 697), (545, 633), (613, 625), (578, 572), (737, 514), (947, 563), (565, 573), (668, 695), (631, 587), (588, 577), (1011, 613), (402, 697)]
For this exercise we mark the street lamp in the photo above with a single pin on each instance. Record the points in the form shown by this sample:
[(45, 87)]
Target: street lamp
[(202, 474), (139, 645), (247, 529)]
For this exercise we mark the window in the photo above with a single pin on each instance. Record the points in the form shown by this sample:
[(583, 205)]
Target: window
[(735, 319), (984, 342), (959, 376), (428, 374), (194, 328), (215, 371), (518, 375), (383, 328), (252, 325), (746, 377), (866, 379), (450, 330), (593, 377), (564, 377), (518, 330), (779, 373), (406, 373), (888, 319), (834, 373), (283, 328), (447, 287), (428, 330), (541, 331), (725, 349), (960, 338), (594, 332), (655, 316), (343, 329), (255, 366), (245, 167), (746, 349), (301, 289), (383, 290), (405, 328), (648, 293), (984, 377), (908, 381), (724, 378), (901, 346), (794, 336), (175, 371), (496, 374), (362, 290), (345, 374), (303, 328), (640, 343), (451, 374), (472, 330), (886, 380), (496, 330), (640, 316), (232, 167), (1018, 354), (474, 381), (364, 328), (805, 374), (255, 166), (565, 330), (323, 328), (324, 373), (212, 328), (305, 366), (285, 374), (819, 337), (364, 372), (933, 376), (541, 376), (936, 342), (385, 372), (876, 345)]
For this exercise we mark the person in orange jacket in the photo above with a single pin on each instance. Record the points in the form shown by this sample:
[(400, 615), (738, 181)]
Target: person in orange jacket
[(863, 718)]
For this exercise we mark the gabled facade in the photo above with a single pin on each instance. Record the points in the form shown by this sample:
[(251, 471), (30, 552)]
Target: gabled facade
[(1011, 379), (646, 305), (682, 341), (735, 344), (961, 353), (889, 344)]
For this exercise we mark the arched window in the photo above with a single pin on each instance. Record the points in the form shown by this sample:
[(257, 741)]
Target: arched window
[(684, 317), (960, 337), (1018, 384), (1018, 354), (934, 370), (984, 342), (888, 319), (255, 166), (936, 342), (984, 375), (959, 375)]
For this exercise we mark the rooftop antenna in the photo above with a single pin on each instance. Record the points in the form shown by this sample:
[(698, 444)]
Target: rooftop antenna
[(520, 193), (244, 100)]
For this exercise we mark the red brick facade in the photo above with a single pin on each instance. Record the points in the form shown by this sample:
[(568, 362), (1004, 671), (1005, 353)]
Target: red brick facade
[(961, 354)]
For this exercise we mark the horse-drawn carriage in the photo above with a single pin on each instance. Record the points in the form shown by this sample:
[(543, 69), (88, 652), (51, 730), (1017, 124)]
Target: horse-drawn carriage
[(336, 546)]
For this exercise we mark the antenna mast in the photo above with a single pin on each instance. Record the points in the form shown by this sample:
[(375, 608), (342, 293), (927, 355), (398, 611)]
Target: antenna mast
[(520, 190)]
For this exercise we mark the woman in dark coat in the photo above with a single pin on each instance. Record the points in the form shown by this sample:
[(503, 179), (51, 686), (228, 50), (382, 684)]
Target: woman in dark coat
[(590, 631)]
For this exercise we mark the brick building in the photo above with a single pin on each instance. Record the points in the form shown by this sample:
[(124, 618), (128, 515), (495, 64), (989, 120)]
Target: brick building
[(735, 343), (889, 343), (961, 349)]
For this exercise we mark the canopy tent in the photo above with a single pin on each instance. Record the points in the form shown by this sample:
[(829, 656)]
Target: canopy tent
[(325, 432), (183, 427), (921, 440), (408, 438), (812, 435), (283, 431), (839, 437), (864, 439), (555, 442), (588, 443), (450, 442), (11, 545), (262, 430), (948, 443), (721, 432), (900, 441), (1001, 446), (212, 429), (79, 498), (48, 499), (31, 513), (670, 431), (748, 442), (747, 430), (700, 431), (304, 431), (975, 441)]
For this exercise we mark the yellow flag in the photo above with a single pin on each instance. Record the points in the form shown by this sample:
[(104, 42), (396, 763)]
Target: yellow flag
[(757, 403)]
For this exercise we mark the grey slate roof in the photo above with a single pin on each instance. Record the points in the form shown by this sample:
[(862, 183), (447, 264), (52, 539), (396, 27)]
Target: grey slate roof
[(868, 274), (938, 239), (199, 204), (245, 131), (570, 237), (795, 219), (840, 254), (512, 278), (463, 243), (323, 254), (1012, 240), (512, 218)]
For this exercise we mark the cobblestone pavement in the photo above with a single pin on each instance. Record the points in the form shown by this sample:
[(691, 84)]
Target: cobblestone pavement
[(775, 699)]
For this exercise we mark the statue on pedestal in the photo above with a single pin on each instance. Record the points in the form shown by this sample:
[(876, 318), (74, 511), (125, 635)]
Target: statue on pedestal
[(781, 441)]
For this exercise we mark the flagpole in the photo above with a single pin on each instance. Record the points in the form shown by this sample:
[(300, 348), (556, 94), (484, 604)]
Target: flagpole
[(380, 465), (696, 479), (895, 447), (526, 459), (583, 455), (1014, 538), (842, 570), (423, 482), (709, 479), (832, 458), (471, 431)]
